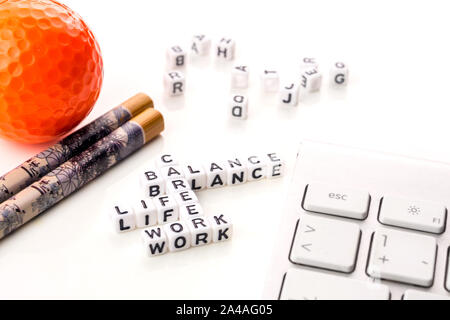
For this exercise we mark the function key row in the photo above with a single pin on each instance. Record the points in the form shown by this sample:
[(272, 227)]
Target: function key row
[(353, 203)]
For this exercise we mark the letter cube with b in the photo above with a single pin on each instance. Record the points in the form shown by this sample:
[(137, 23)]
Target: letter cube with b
[(311, 80), (153, 183), (176, 57), (239, 77), (289, 94), (155, 241), (222, 228), (174, 83), (178, 235), (200, 45), (225, 49), (239, 107), (339, 74)]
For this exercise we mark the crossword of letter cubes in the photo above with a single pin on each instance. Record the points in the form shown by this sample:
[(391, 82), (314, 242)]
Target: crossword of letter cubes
[(170, 211)]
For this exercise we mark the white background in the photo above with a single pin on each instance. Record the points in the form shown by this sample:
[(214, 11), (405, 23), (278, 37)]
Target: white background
[(397, 100)]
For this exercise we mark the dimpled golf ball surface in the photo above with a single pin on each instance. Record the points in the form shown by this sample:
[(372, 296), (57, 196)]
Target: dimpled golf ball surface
[(51, 70)]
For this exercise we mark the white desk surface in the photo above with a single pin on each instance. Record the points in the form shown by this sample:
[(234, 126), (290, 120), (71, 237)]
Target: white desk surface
[(397, 100)]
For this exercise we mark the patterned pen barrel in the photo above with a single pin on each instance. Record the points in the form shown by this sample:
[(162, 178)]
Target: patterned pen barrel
[(79, 170), (44, 162)]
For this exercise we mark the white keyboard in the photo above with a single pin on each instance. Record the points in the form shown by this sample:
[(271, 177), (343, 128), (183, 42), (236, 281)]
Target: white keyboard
[(363, 225)]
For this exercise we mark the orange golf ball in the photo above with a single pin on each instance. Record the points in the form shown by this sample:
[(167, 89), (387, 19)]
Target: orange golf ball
[(51, 70)]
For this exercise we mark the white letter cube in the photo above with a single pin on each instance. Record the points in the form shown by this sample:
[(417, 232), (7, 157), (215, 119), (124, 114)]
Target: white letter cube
[(201, 45), (339, 74), (155, 241), (237, 172), (178, 235), (191, 211), (311, 80), (270, 81), (167, 209), (222, 228), (172, 172), (174, 83), (177, 185), (146, 215), (225, 49), (239, 77), (308, 63), (165, 160), (257, 168), (216, 175), (289, 94), (196, 176), (153, 183), (123, 218), (185, 197), (239, 107), (275, 166), (201, 231), (176, 57)]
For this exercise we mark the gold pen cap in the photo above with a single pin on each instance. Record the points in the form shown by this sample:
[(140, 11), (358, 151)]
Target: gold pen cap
[(138, 103), (151, 121)]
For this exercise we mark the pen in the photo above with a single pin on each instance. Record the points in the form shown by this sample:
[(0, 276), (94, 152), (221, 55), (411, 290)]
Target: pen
[(44, 162), (79, 170)]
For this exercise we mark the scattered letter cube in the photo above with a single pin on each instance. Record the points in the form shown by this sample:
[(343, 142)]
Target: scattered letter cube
[(176, 57), (201, 231), (308, 63), (239, 77), (239, 107), (289, 94), (311, 80), (339, 74), (174, 83), (200, 45), (146, 215), (270, 81), (155, 241), (178, 236), (225, 49), (222, 228)]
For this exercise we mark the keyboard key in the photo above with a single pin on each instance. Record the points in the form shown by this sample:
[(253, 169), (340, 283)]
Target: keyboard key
[(402, 256), (419, 295), (309, 285), (417, 215), (337, 200), (326, 243)]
